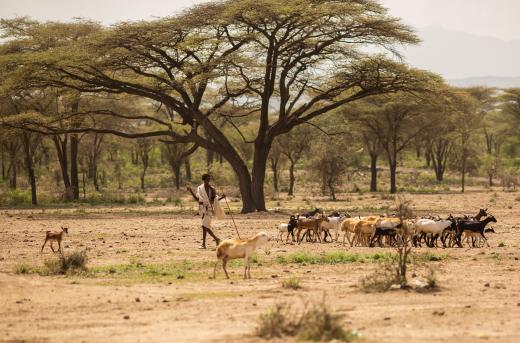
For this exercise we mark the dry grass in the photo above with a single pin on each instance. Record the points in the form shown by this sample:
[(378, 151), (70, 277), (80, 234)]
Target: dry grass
[(315, 323)]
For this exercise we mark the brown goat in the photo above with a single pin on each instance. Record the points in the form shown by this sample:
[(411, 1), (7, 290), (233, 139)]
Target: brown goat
[(310, 225), (55, 236)]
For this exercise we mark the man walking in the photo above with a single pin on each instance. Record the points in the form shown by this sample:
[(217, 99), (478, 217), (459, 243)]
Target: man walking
[(209, 206)]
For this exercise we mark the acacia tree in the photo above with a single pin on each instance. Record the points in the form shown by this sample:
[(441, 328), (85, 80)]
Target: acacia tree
[(273, 58), (294, 145), (396, 120), (176, 154)]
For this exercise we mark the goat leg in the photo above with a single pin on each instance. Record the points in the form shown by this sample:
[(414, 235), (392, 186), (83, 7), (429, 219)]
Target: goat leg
[(215, 269), (224, 263), (44, 244)]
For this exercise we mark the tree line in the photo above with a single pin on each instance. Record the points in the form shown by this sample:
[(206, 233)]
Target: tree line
[(245, 81)]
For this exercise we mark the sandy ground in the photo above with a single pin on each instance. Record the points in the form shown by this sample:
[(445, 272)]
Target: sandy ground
[(479, 299)]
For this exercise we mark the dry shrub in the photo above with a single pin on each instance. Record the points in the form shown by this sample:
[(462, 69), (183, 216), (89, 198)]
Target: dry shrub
[(381, 280), (70, 263), (315, 323)]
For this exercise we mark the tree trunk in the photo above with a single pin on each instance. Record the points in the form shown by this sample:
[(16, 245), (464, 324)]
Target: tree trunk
[(258, 178), (177, 175), (393, 178), (209, 157), (439, 173), (463, 176), (30, 167), (490, 176), (13, 172), (428, 157), (3, 165), (84, 186), (274, 169), (74, 178), (187, 167), (143, 174), (332, 191), (61, 150), (292, 179), (373, 173)]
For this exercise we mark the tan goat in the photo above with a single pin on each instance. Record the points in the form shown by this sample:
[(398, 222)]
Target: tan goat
[(363, 230), (230, 249), (55, 236), (347, 227)]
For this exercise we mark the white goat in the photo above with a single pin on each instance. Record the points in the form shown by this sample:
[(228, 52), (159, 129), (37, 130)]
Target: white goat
[(333, 225), (230, 249), (435, 228)]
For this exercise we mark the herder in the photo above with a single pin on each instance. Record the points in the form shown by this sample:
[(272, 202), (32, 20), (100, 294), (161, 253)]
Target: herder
[(209, 206)]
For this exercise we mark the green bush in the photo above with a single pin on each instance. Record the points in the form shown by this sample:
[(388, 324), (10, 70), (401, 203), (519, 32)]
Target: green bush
[(15, 197)]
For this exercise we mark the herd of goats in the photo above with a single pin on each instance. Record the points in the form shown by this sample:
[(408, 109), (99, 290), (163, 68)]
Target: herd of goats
[(389, 230)]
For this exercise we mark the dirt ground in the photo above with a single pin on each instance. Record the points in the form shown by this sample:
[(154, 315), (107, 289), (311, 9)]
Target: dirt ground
[(149, 282)]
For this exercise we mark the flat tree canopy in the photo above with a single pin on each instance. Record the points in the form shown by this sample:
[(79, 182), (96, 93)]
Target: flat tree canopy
[(276, 64)]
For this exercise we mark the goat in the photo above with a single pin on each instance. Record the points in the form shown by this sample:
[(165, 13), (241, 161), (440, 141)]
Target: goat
[(429, 226), (347, 226), (383, 232), (364, 229), (289, 228), (55, 236), (311, 213), (473, 226), (387, 228), (230, 249), (310, 225), (333, 224)]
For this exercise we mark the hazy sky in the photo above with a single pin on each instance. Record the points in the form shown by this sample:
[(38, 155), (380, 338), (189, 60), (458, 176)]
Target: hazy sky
[(449, 53), (497, 18)]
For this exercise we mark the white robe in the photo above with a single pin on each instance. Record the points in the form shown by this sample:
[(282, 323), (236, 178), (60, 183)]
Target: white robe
[(207, 209)]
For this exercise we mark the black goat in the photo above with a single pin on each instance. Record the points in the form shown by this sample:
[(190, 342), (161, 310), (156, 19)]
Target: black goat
[(311, 213), (382, 232), (289, 228), (475, 226)]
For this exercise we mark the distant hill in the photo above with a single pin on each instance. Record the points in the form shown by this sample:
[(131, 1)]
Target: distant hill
[(487, 81), (464, 57)]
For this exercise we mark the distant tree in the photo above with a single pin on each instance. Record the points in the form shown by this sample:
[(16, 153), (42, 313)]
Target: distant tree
[(294, 145), (144, 147), (176, 155)]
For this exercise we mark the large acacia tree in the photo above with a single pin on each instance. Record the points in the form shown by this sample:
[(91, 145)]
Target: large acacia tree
[(279, 64)]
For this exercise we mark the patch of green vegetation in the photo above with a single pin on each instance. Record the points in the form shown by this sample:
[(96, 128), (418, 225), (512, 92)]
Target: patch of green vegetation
[(334, 257), (291, 283), (429, 257), (25, 269), (139, 272)]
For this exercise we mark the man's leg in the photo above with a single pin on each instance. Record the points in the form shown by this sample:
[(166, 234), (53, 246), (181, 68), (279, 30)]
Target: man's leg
[(208, 230), (203, 246)]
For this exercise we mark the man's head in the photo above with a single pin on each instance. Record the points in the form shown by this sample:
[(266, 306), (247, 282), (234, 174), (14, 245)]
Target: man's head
[(206, 178)]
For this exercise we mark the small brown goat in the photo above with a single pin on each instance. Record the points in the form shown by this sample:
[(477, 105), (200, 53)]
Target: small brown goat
[(310, 226), (55, 236)]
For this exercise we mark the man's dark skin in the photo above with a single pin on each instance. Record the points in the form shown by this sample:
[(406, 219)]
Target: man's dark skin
[(211, 195)]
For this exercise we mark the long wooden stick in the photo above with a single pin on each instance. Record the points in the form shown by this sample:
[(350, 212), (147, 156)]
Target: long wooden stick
[(233, 219)]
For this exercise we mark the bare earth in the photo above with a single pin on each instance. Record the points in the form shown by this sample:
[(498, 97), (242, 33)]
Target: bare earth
[(479, 298)]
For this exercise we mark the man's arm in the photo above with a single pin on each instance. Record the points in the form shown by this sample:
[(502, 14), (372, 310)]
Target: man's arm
[(193, 194)]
